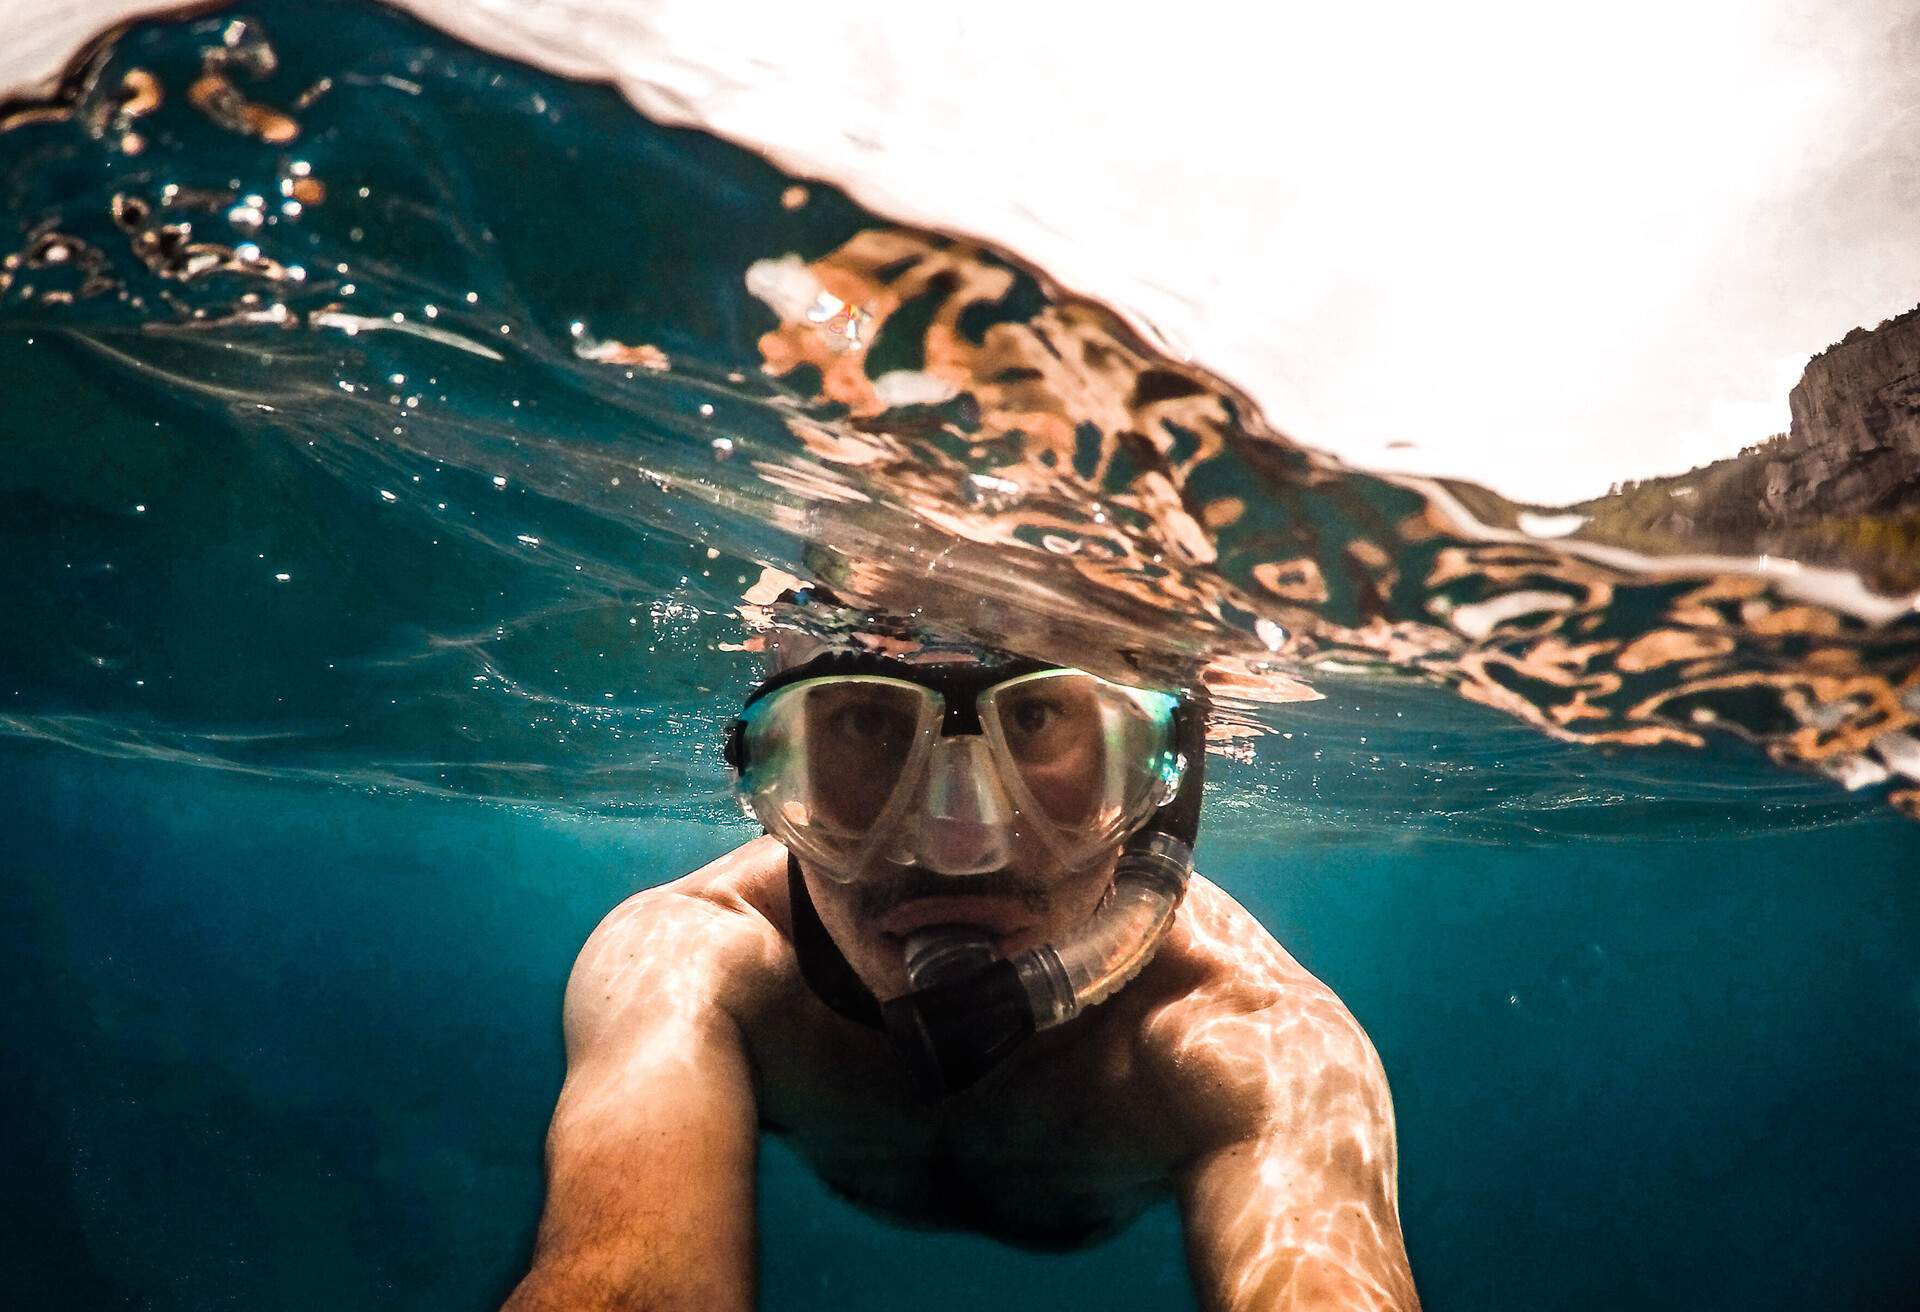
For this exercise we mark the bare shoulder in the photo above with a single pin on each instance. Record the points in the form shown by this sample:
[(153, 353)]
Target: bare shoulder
[(706, 943), (1247, 1037)]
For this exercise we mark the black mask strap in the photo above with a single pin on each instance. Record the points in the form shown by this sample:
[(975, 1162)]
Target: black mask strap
[(822, 965)]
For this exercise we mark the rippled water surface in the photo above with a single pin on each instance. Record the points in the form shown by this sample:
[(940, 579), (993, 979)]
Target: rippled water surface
[(420, 441)]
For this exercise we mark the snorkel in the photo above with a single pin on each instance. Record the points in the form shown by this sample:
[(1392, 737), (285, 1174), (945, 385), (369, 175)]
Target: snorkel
[(968, 1008)]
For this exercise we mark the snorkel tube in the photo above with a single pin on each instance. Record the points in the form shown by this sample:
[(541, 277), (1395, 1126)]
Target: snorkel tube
[(967, 1008)]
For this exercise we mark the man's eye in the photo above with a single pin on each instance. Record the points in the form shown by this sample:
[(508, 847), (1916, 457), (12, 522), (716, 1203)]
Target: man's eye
[(869, 724), (1032, 717)]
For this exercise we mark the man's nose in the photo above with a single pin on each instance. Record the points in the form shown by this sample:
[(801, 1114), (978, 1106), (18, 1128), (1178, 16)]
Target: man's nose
[(967, 820)]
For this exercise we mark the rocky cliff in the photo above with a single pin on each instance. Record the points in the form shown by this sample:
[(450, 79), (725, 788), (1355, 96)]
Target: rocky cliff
[(1854, 448), (1841, 487)]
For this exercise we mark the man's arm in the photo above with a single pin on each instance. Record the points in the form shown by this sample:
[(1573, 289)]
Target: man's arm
[(1296, 1208), (651, 1152)]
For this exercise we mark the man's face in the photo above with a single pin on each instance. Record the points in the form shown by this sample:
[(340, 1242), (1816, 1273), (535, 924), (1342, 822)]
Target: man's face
[(1023, 904), (953, 794), (1052, 728)]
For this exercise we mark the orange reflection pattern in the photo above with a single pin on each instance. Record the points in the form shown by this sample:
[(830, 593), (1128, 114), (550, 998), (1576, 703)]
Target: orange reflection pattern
[(1009, 414)]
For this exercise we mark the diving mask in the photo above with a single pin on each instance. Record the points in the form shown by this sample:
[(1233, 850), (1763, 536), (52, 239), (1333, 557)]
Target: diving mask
[(857, 761)]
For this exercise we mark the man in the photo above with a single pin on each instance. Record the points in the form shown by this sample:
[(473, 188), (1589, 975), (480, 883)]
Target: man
[(969, 976)]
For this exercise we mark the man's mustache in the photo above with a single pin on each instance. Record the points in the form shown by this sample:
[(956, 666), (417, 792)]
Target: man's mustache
[(914, 883)]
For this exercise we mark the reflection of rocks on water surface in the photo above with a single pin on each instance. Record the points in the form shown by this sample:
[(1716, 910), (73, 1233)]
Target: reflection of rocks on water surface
[(934, 429)]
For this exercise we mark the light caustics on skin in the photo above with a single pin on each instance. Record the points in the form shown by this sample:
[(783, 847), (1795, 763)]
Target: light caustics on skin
[(933, 429), (646, 1057), (1318, 1225)]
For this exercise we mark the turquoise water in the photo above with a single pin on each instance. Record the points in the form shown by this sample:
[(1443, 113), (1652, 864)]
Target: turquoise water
[(293, 868), (278, 1045)]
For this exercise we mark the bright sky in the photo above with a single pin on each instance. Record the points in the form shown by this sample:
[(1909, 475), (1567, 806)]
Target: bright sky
[(1549, 246)]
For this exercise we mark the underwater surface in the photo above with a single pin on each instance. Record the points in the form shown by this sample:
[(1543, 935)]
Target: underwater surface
[(403, 451)]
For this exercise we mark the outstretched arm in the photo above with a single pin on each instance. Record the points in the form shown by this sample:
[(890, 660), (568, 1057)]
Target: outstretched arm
[(651, 1152), (1297, 1210)]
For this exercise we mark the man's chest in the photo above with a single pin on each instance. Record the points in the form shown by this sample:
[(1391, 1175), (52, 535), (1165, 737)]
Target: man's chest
[(1045, 1185), (1054, 1157)]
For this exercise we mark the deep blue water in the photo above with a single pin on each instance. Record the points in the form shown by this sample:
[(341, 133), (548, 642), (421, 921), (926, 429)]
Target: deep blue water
[(292, 869), (280, 1045)]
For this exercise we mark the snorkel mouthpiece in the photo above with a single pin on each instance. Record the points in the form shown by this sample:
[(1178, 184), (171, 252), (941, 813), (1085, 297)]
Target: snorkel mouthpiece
[(944, 952), (966, 1008)]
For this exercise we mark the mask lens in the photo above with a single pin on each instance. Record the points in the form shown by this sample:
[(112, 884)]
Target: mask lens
[(859, 736), (1087, 752), (828, 755), (1052, 730)]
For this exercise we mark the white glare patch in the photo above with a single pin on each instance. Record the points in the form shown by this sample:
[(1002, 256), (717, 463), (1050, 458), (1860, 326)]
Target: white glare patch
[(787, 285), (1901, 752), (1855, 772), (352, 324), (1480, 619), (991, 493), (912, 387), (1548, 526)]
